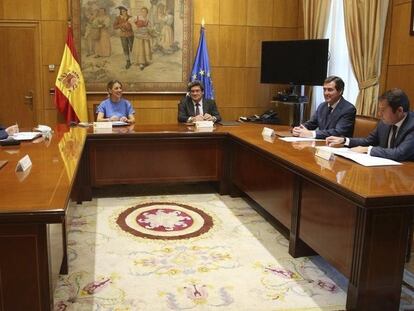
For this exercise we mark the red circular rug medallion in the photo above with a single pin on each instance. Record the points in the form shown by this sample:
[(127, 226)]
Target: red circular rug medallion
[(165, 221)]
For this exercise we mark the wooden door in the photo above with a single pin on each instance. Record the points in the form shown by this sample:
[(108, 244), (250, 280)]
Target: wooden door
[(19, 74)]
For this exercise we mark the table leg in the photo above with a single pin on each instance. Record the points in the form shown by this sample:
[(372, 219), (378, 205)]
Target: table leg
[(380, 243)]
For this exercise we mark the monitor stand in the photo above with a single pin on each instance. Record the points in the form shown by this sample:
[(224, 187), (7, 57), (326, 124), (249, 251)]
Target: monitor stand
[(296, 99)]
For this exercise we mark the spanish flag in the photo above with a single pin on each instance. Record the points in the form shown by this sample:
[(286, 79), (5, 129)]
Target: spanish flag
[(70, 94)]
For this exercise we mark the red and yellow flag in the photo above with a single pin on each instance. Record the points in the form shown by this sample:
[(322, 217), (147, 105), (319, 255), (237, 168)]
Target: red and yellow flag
[(70, 94)]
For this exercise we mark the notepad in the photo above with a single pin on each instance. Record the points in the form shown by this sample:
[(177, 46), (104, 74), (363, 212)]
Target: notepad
[(228, 123)]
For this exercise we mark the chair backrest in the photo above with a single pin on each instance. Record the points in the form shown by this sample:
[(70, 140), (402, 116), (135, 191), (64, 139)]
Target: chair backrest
[(364, 125), (94, 111)]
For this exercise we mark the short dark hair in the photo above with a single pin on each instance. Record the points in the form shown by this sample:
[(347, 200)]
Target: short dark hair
[(339, 83), (195, 83), (396, 98), (111, 84)]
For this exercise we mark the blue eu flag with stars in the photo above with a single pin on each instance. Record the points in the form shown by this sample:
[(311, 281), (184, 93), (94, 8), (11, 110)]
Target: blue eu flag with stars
[(201, 67)]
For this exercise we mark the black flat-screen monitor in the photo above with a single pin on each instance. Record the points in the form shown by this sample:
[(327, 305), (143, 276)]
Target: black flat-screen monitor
[(298, 62)]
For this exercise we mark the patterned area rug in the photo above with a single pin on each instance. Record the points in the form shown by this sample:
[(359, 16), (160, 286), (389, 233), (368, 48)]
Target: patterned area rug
[(187, 252)]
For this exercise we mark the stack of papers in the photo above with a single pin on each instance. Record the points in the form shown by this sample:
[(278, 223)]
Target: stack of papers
[(360, 158), (26, 135)]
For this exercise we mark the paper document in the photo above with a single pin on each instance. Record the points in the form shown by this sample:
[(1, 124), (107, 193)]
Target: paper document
[(26, 135), (360, 158), (295, 139)]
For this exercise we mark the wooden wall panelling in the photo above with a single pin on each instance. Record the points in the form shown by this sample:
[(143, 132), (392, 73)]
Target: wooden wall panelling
[(230, 85), (385, 51), (53, 41), (20, 9), (400, 62), (232, 49), (285, 13), (397, 2), (156, 116), (209, 10), (255, 36), (259, 12), (54, 10), (52, 117), (300, 14), (402, 44), (49, 79), (156, 101), (257, 94), (233, 12), (285, 34), (401, 76)]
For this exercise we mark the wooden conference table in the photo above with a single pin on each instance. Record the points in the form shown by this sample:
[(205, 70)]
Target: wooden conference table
[(357, 218)]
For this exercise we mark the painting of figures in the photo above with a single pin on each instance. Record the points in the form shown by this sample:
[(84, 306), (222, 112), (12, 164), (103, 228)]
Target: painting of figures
[(144, 43)]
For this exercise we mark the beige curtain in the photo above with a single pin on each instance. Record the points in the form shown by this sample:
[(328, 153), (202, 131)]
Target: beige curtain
[(364, 27), (315, 18)]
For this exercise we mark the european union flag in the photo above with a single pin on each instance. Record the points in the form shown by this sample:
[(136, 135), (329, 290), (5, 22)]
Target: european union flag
[(201, 67)]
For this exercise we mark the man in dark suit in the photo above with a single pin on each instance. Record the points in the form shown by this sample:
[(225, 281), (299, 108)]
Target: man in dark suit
[(195, 108), (334, 117), (5, 132), (393, 138)]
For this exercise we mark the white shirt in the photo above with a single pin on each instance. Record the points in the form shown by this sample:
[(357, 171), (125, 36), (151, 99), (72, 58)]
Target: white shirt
[(200, 108)]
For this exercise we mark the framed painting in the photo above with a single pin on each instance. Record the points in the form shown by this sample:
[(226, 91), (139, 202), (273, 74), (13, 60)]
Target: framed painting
[(146, 44), (412, 19)]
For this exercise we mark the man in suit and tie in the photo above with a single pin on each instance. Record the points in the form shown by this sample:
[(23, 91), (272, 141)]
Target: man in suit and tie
[(334, 117), (393, 138), (195, 108)]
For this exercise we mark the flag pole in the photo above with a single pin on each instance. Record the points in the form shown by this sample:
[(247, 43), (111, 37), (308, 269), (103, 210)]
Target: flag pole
[(69, 4)]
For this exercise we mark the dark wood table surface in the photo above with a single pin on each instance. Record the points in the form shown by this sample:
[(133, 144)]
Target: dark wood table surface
[(33, 214)]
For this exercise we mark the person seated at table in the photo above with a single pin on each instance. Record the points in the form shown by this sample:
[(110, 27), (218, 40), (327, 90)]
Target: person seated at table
[(115, 108), (194, 107), (334, 117), (393, 138), (9, 131)]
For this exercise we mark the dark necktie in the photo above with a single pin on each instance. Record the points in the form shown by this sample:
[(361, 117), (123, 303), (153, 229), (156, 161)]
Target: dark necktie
[(393, 136), (197, 110), (327, 115)]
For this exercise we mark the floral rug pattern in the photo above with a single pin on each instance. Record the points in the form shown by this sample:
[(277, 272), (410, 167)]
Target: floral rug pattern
[(240, 262)]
